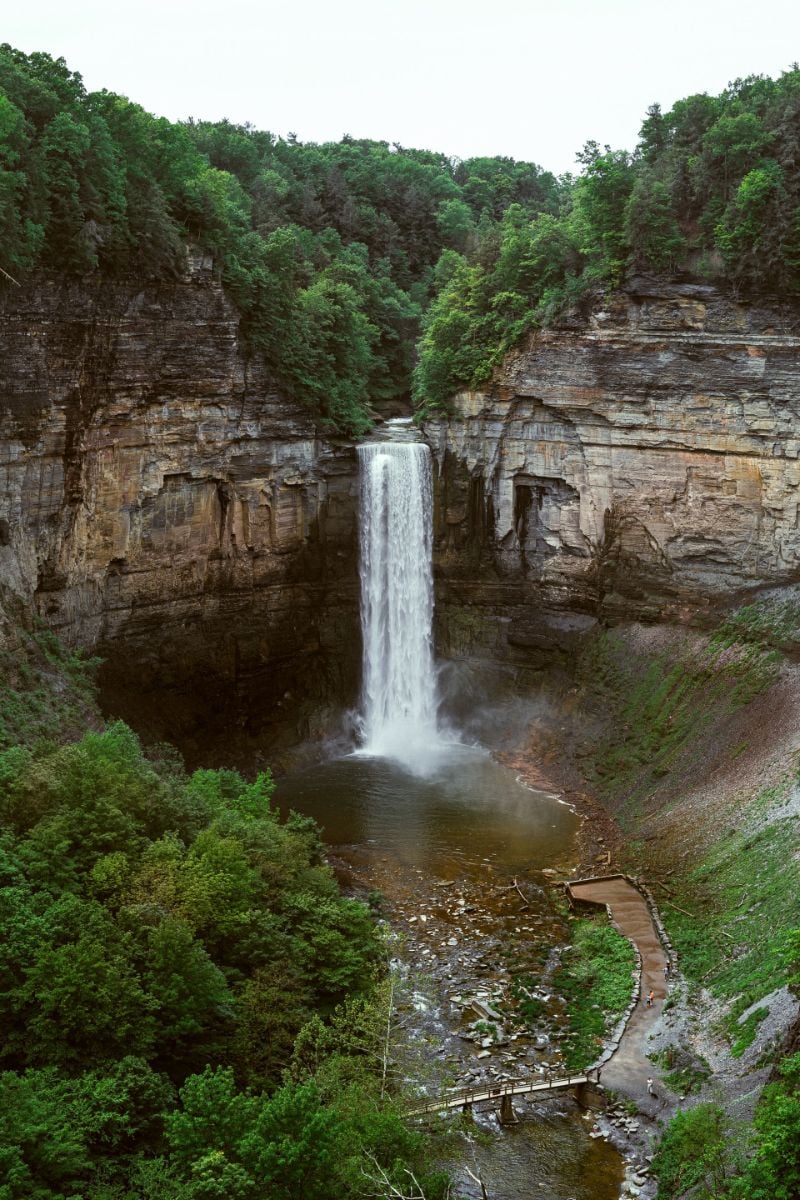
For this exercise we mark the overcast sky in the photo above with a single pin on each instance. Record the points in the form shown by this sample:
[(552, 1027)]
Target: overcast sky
[(524, 78)]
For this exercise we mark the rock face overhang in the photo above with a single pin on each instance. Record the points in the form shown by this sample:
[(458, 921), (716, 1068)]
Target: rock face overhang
[(643, 465), (163, 505)]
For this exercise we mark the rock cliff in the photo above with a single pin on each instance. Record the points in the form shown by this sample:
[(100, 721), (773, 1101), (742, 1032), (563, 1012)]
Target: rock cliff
[(641, 465), (161, 505)]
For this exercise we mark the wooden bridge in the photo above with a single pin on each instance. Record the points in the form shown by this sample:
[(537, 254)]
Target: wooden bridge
[(504, 1092)]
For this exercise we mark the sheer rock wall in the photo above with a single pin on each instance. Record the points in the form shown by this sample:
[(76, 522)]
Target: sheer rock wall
[(641, 466), (161, 505)]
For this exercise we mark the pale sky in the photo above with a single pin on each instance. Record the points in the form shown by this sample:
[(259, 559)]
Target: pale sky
[(524, 78)]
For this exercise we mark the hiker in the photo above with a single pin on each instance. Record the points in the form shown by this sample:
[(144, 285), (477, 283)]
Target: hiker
[(666, 970), (650, 1089), (650, 997)]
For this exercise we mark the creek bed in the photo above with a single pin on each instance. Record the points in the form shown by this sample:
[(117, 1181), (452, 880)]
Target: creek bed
[(453, 852)]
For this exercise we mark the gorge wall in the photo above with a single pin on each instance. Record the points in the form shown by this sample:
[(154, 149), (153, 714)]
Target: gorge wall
[(162, 506), (642, 465)]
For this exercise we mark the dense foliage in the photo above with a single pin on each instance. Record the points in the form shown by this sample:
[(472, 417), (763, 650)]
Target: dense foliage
[(713, 188), (328, 250), (703, 1155), (335, 253), (172, 961)]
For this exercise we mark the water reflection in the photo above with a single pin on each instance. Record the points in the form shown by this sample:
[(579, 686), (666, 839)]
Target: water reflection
[(468, 803), (443, 848)]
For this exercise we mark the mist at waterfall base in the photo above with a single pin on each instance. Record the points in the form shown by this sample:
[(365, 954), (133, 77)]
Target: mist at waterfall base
[(399, 715)]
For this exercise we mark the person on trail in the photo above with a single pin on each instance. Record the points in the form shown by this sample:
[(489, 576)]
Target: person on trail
[(650, 997), (650, 1089), (666, 970)]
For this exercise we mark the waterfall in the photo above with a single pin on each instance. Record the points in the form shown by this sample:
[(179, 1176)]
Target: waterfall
[(398, 703)]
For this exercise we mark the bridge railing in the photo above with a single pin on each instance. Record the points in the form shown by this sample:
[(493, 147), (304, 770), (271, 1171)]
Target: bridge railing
[(509, 1087)]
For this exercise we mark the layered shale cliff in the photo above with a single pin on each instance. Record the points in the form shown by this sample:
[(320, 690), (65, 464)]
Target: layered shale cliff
[(162, 506), (641, 465)]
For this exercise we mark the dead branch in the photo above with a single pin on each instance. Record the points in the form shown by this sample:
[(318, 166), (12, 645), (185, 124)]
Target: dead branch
[(11, 277), (515, 887), (388, 1035), (477, 1179), (717, 967), (377, 1177), (685, 912)]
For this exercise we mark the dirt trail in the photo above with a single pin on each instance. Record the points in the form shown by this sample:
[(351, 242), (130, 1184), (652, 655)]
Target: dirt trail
[(628, 1070)]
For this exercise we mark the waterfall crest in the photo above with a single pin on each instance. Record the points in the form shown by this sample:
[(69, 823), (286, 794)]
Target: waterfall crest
[(399, 701)]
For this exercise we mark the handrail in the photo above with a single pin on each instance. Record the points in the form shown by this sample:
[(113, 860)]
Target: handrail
[(509, 1087)]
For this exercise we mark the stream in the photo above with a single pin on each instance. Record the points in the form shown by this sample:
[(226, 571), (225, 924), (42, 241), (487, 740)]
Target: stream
[(463, 857)]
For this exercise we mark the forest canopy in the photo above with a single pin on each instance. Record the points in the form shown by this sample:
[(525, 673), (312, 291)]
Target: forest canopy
[(366, 271), (712, 192), (329, 251), (191, 1008)]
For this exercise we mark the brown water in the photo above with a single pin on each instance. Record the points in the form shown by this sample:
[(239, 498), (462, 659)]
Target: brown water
[(460, 855)]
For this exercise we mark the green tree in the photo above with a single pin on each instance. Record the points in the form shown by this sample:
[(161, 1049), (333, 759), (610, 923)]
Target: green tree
[(773, 1172), (193, 1004), (82, 1000), (758, 242), (283, 1146), (456, 223), (600, 205), (651, 227), (692, 1154)]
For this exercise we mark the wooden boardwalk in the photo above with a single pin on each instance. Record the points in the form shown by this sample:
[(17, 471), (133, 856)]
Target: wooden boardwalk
[(498, 1091), (634, 920)]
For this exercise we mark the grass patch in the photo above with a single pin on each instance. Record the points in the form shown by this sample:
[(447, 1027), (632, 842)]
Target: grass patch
[(595, 980), (530, 1007), (745, 901), (747, 1032), (684, 1072), (659, 702), (773, 623)]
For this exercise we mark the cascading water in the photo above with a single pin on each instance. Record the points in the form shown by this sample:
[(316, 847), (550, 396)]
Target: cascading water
[(398, 705), (414, 809)]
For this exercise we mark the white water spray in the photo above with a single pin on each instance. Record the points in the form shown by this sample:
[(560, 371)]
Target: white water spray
[(398, 705)]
